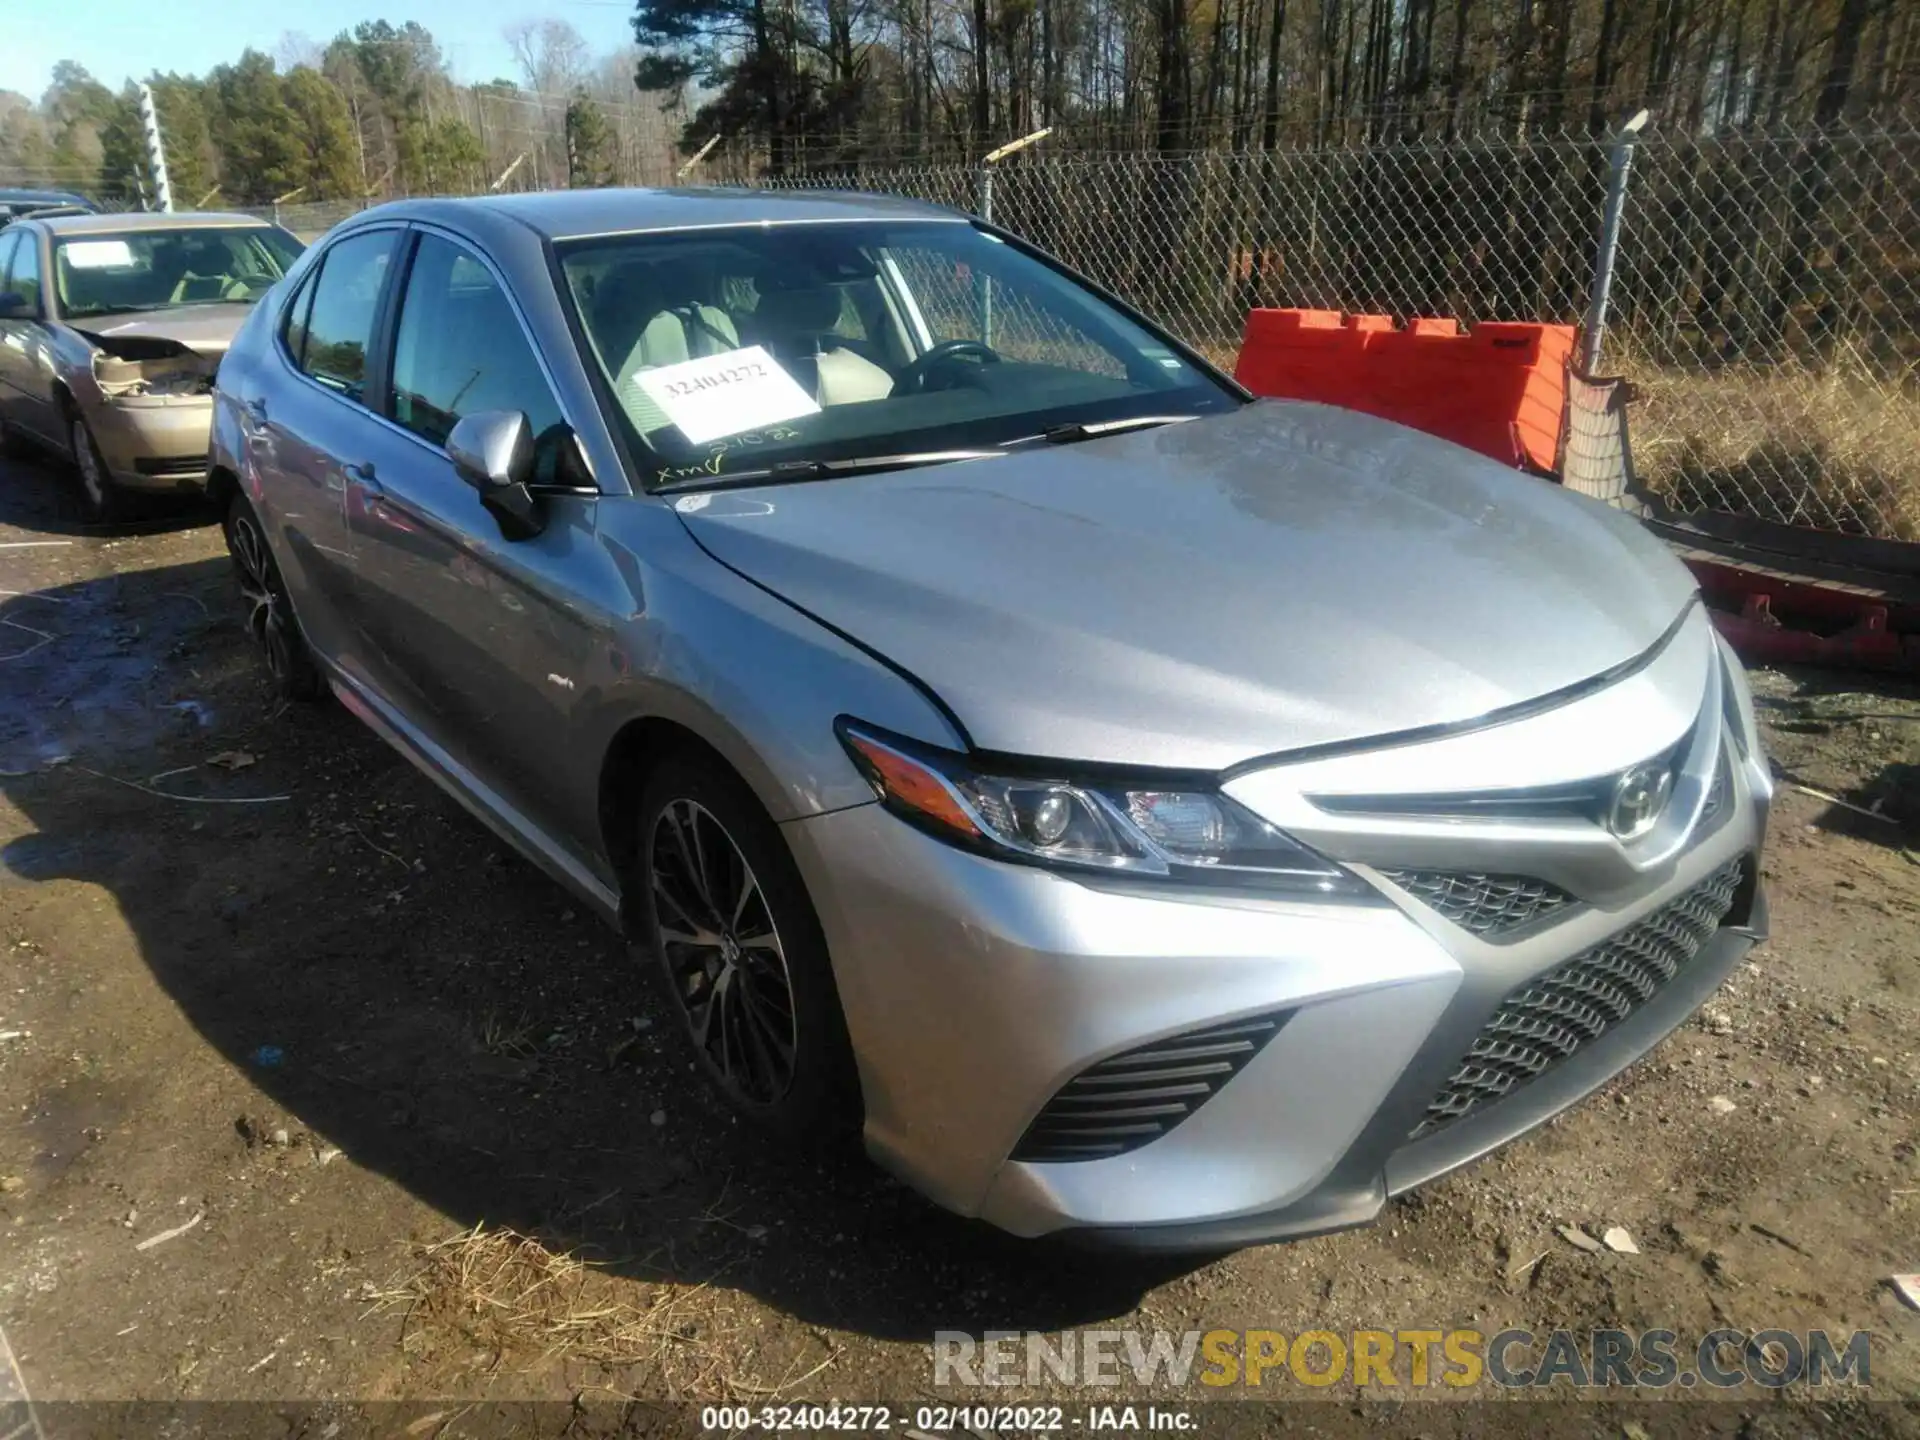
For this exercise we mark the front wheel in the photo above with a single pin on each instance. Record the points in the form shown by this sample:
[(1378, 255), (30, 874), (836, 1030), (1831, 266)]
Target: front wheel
[(740, 949), (269, 614), (101, 498)]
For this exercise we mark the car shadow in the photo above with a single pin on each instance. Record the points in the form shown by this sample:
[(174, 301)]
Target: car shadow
[(38, 494), (413, 994)]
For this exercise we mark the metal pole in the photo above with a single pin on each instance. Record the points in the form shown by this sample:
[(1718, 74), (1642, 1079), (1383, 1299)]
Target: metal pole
[(706, 149), (156, 149), (986, 285), (1012, 147), (1595, 328)]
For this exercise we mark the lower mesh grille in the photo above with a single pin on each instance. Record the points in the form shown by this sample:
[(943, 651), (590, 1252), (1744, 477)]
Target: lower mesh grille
[(1130, 1099), (1487, 905), (1575, 1003)]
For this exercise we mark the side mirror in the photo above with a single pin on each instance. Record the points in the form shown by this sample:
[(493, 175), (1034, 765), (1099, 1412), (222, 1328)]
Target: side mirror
[(492, 450), (15, 306)]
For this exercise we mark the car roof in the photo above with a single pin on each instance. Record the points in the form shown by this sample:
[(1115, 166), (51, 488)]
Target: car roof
[(43, 197), (574, 214), (133, 220)]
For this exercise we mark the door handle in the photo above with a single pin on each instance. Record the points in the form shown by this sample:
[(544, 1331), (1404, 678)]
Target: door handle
[(362, 475)]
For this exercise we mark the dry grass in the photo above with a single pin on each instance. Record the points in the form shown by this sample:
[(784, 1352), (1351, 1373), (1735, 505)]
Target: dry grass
[(1836, 450), (505, 1295)]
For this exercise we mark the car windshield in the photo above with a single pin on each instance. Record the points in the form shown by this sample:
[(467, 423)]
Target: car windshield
[(738, 350), (105, 274)]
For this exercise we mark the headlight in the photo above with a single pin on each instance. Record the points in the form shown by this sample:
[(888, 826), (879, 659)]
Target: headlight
[(1185, 831)]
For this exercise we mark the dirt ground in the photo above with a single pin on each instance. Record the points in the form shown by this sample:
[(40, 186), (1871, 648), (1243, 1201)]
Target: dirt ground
[(260, 979)]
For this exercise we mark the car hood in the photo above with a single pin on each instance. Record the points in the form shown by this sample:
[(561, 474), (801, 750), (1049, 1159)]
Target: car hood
[(1289, 575), (204, 329)]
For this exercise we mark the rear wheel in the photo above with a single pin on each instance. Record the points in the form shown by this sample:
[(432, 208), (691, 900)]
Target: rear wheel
[(103, 500), (740, 949), (269, 614)]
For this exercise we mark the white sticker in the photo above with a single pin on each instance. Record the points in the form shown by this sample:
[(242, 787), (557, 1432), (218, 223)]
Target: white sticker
[(725, 394), (97, 254)]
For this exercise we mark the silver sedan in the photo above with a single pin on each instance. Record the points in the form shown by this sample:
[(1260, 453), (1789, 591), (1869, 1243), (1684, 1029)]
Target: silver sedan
[(1138, 811)]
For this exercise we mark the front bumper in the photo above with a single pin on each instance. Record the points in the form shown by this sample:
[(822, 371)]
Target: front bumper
[(154, 442), (974, 990)]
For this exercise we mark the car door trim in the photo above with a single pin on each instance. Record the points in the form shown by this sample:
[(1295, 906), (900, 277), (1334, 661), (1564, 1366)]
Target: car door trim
[(479, 799)]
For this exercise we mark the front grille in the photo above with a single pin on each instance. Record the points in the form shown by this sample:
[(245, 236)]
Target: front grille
[(1130, 1099), (1573, 1004), (1487, 905), (171, 466)]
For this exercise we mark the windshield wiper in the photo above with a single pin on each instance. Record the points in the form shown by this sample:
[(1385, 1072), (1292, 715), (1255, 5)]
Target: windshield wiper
[(1094, 429), (794, 470)]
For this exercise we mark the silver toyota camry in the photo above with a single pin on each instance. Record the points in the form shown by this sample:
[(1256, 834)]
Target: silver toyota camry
[(1139, 811)]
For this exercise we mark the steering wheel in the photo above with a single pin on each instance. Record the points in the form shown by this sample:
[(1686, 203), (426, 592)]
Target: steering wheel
[(913, 379)]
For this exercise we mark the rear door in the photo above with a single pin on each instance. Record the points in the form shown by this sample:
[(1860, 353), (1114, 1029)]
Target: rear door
[(26, 348), (12, 337), (480, 639), (307, 423)]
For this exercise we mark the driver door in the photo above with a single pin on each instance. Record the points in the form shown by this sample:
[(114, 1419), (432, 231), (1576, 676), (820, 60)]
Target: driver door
[(478, 639)]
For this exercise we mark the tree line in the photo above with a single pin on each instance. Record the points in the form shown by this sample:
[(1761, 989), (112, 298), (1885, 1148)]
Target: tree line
[(827, 83), (787, 86), (371, 114)]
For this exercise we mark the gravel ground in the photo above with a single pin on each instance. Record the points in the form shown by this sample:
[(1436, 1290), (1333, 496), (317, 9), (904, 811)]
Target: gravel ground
[(287, 1081)]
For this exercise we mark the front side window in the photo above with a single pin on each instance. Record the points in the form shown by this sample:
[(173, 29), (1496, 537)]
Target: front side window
[(339, 325), (740, 349), (460, 350), (7, 243), (107, 274)]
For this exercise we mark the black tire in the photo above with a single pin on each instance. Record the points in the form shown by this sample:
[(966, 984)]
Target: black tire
[(269, 614), (103, 501), (735, 982)]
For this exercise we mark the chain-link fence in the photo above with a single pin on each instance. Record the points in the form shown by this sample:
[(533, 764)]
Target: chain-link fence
[(1765, 303)]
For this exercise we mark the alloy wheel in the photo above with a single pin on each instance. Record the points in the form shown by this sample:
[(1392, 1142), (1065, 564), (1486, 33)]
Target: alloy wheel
[(93, 478), (717, 936), (260, 591)]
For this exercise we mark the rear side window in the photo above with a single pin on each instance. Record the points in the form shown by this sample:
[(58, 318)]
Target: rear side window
[(339, 329), (23, 275), (7, 242)]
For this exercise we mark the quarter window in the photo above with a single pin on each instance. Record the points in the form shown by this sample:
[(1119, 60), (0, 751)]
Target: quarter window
[(293, 325), (339, 331)]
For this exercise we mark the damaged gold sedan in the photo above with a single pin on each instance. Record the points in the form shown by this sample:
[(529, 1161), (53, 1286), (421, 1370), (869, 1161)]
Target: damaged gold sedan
[(111, 330)]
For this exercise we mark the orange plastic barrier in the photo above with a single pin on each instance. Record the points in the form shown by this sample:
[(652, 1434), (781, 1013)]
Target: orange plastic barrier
[(1499, 389)]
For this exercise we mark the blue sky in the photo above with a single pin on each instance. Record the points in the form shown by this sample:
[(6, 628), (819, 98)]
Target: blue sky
[(118, 39)]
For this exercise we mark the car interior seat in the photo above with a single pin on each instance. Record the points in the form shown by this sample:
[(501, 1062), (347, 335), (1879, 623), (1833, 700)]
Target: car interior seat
[(646, 316), (796, 320), (205, 276)]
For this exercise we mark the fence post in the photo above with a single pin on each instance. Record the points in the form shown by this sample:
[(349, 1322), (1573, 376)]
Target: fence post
[(986, 214), (1595, 328), (986, 285)]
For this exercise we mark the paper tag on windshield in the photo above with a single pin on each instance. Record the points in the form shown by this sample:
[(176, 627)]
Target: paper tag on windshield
[(719, 395), (97, 254)]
